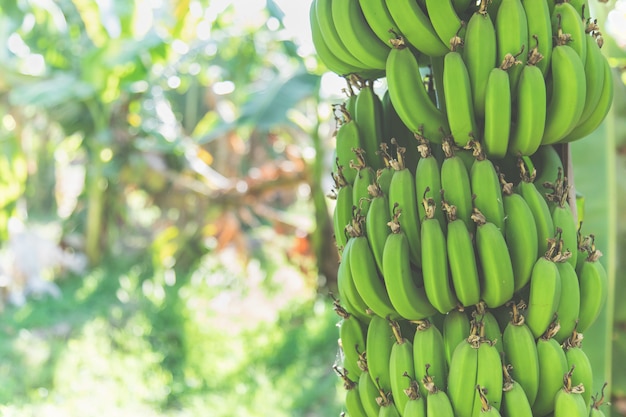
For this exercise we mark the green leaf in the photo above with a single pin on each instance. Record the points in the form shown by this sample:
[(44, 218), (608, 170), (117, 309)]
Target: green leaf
[(53, 91)]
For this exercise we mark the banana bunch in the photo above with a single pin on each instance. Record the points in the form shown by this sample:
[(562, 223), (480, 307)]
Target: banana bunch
[(511, 74), (465, 281)]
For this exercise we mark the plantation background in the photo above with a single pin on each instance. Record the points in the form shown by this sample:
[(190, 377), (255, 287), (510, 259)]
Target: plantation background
[(185, 148)]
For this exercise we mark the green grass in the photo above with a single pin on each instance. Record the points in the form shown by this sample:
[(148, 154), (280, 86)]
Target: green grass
[(127, 340)]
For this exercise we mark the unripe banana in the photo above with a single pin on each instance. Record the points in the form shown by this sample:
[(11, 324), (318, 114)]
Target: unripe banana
[(594, 76), (369, 117), (365, 176), (401, 368), (593, 281), (497, 122), (485, 184), (409, 95), (428, 176), (563, 218), (458, 95), (462, 259), (344, 207), (568, 24), (348, 137), (545, 294), (576, 357), (530, 116), (514, 399), (568, 94), (409, 300), (489, 325), (434, 262), (349, 295), (366, 278), (485, 409), (569, 304), (520, 351), (539, 30), (568, 401), (552, 367), (352, 340), (520, 233), (512, 36), (489, 376), (384, 175), (479, 54), (388, 409), (368, 393), (416, 406), (352, 400), (445, 20), (597, 403), (538, 206), (376, 224), (402, 197), (456, 328), (455, 181), (356, 34), (378, 18), (548, 164), (437, 401), (495, 262), (598, 114), (414, 24), (461, 381), (429, 351), (379, 342)]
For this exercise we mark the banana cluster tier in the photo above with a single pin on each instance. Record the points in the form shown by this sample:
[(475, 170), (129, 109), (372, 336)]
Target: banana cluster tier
[(465, 282)]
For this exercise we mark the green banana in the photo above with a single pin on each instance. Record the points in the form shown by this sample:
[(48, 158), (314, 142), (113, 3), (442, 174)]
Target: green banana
[(497, 121), (378, 18), (498, 282), (485, 409), (455, 181), (538, 206), (489, 376), (388, 408), (512, 35), (437, 401), (394, 127), (402, 195), (520, 351), (479, 54), (552, 368), (548, 163), (366, 278), (369, 117), (457, 91), (401, 368), (489, 325), (416, 406), (356, 34), (568, 25), (540, 30), (562, 216), (428, 176), (545, 293), (352, 340), (408, 299), (352, 401), (434, 262), (414, 24), (347, 138), (594, 76), (344, 207), (384, 175), (514, 399), (445, 20), (485, 184), (593, 281), (520, 233), (365, 176), (368, 393), (599, 112), (597, 403), (530, 114), (349, 296), (568, 401), (568, 94), (409, 95), (379, 341), (376, 221), (461, 381), (429, 351), (569, 303), (462, 259), (456, 328), (576, 357)]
